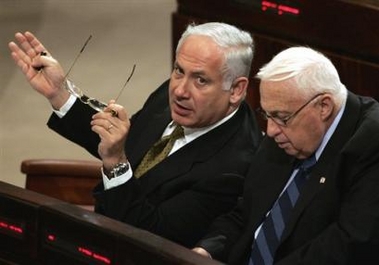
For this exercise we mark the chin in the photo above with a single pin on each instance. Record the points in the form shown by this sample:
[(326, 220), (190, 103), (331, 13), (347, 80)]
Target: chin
[(181, 120), (290, 151)]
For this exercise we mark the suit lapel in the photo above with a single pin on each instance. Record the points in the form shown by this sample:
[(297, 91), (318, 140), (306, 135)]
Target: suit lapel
[(199, 150), (266, 181), (322, 174), (149, 135)]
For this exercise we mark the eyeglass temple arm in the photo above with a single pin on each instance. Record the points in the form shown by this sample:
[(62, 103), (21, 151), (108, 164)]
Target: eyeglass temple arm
[(77, 57), (127, 81)]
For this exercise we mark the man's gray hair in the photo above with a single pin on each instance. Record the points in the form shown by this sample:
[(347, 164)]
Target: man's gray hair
[(312, 72), (238, 46)]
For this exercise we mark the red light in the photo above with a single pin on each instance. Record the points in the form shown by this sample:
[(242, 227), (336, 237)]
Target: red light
[(51, 237), (269, 4), (85, 251), (96, 256), (289, 9), (11, 227), (101, 258), (16, 229), (279, 9)]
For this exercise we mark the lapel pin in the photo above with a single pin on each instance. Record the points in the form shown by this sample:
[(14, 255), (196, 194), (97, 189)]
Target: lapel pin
[(322, 180)]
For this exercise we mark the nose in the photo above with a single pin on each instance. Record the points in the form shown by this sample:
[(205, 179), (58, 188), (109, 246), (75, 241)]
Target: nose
[(181, 87), (273, 129)]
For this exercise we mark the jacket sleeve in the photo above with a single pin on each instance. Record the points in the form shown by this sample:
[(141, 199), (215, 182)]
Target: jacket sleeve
[(182, 217)]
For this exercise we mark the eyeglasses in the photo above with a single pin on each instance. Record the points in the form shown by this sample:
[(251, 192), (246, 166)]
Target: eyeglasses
[(77, 92), (283, 121)]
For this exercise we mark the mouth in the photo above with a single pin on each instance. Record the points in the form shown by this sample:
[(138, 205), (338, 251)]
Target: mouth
[(180, 109), (282, 144)]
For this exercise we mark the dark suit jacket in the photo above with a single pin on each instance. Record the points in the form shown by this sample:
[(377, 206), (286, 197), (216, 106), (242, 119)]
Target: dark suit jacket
[(336, 220), (182, 195)]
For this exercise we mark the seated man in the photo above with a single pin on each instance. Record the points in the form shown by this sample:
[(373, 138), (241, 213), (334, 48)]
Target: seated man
[(311, 195), (201, 178)]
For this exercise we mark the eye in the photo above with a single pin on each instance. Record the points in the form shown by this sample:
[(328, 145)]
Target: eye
[(280, 117), (201, 80), (177, 70)]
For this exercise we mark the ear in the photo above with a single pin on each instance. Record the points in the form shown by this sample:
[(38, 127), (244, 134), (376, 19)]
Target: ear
[(327, 107), (238, 90)]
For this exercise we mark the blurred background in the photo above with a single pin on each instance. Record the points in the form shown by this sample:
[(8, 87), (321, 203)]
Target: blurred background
[(123, 32)]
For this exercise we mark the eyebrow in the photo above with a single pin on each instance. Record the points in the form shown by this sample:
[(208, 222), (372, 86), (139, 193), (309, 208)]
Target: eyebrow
[(277, 113), (192, 73)]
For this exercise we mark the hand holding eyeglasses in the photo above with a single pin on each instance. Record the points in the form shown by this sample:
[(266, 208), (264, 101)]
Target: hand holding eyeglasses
[(47, 76), (112, 132)]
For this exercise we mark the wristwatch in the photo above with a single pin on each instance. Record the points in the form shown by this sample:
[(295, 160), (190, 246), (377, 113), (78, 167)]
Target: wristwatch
[(118, 170)]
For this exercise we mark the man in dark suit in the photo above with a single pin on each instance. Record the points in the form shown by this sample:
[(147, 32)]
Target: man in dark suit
[(334, 217), (201, 178)]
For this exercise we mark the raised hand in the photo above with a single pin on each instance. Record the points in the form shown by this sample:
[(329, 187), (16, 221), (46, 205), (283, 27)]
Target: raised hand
[(42, 71)]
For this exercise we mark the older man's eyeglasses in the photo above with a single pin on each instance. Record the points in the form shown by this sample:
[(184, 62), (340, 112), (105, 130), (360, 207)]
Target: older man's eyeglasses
[(283, 121), (77, 92)]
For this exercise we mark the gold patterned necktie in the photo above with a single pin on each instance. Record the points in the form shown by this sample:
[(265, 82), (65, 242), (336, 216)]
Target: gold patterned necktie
[(158, 151)]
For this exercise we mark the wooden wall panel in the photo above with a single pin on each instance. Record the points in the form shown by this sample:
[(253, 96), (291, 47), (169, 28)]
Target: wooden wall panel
[(345, 30)]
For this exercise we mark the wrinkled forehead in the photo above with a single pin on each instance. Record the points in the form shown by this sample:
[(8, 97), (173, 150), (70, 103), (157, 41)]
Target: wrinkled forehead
[(279, 95)]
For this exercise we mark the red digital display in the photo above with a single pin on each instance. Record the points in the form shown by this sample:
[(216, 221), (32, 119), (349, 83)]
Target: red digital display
[(77, 249), (12, 228), (94, 255), (280, 8)]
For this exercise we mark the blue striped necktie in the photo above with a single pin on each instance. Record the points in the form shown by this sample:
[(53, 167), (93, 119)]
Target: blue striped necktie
[(268, 238)]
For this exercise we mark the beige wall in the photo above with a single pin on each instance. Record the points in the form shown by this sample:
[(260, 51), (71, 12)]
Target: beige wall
[(124, 32)]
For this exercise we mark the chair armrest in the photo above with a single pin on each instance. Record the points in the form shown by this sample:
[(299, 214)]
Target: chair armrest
[(65, 179)]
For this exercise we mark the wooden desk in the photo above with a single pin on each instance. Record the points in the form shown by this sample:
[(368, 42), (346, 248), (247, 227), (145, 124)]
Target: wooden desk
[(36, 229)]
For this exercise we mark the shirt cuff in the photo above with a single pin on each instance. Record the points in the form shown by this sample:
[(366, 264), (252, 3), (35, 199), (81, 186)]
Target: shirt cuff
[(114, 182), (66, 107)]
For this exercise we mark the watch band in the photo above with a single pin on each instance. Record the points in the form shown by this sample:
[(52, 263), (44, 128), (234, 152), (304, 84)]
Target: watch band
[(118, 170)]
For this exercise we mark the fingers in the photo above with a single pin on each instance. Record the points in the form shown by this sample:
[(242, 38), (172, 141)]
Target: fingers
[(105, 123), (109, 126), (27, 52), (19, 56), (112, 131), (117, 110), (30, 44), (25, 46)]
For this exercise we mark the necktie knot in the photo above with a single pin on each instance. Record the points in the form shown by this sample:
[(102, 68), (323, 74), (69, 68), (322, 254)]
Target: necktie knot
[(177, 133), (159, 151), (308, 163)]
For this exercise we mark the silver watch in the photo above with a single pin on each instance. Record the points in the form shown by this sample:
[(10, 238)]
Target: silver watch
[(118, 170)]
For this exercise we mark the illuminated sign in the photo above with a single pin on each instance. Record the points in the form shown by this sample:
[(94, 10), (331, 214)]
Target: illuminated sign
[(280, 8), (79, 250), (12, 228)]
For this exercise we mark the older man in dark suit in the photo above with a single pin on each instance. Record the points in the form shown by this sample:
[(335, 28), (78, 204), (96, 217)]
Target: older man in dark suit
[(328, 213), (202, 105)]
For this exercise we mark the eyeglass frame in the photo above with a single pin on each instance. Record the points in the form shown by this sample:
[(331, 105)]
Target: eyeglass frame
[(78, 93), (283, 122), (92, 102)]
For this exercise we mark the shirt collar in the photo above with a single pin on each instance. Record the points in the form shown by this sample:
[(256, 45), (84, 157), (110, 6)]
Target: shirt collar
[(191, 134), (330, 132)]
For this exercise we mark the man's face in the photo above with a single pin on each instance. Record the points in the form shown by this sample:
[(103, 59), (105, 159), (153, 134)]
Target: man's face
[(303, 133), (196, 95)]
